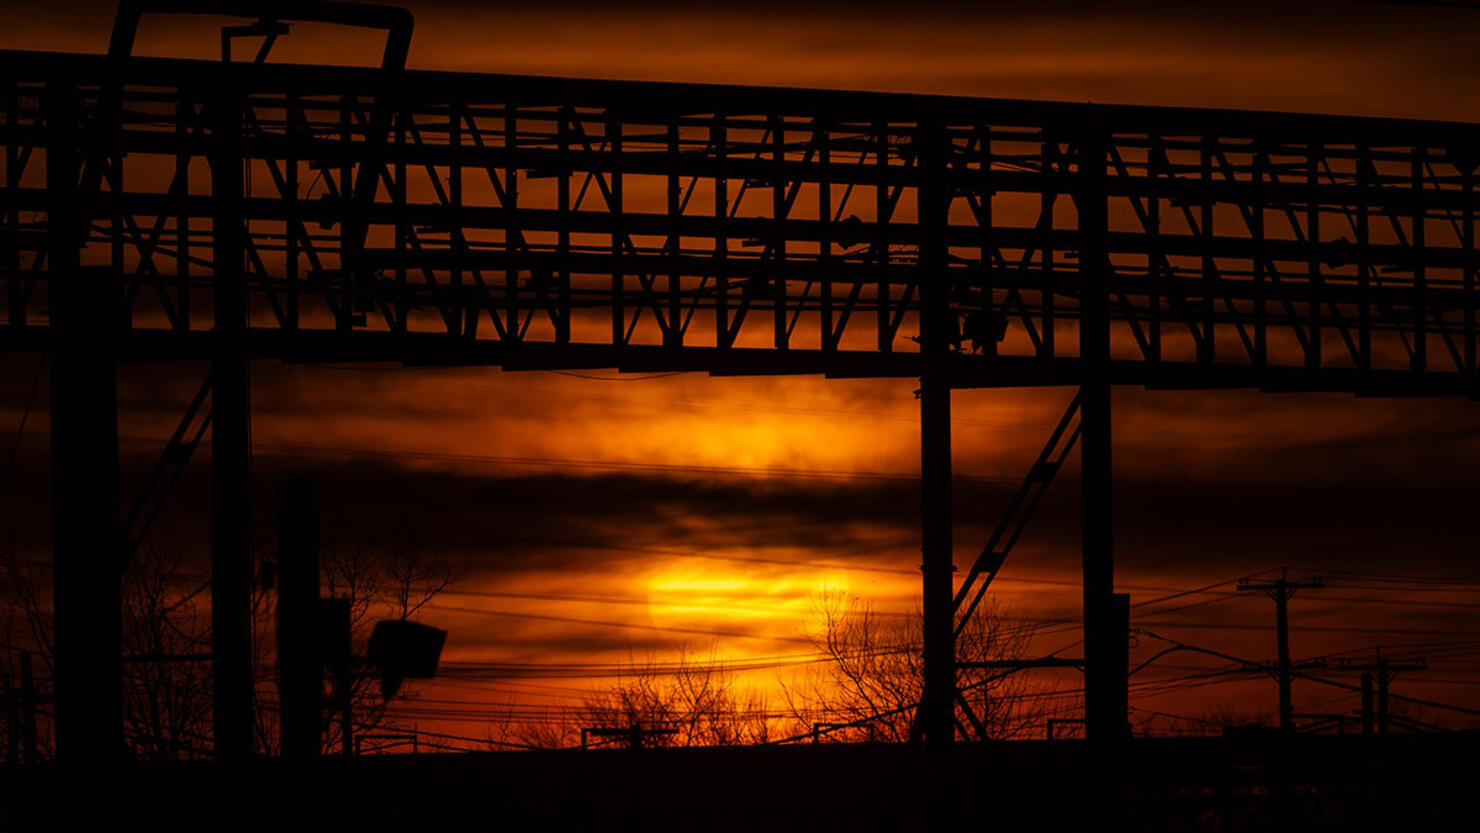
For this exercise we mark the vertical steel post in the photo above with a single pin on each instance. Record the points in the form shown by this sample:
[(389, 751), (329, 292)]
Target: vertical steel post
[(13, 720), (1104, 638), (1364, 264), (1118, 663), (673, 244), (87, 537), (512, 234), (1467, 244), (1282, 632), (1156, 259), (883, 210), (825, 240), (334, 617), (1207, 348), (938, 699), (231, 492), (1367, 703), (562, 235), (29, 750), (300, 669), (15, 299), (1260, 166), (937, 704), (778, 246), (1314, 353), (1419, 361), (719, 140), (615, 208), (1049, 162), (1384, 677)]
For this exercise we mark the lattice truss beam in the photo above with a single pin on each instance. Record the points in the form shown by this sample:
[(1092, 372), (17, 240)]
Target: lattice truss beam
[(529, 211)]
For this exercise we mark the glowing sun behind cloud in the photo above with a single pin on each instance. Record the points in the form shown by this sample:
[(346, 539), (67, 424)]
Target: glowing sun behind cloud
[(769, 605)]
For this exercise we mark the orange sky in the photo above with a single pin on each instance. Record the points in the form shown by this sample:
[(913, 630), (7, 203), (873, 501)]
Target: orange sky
[(664, 512), (1337, 56)]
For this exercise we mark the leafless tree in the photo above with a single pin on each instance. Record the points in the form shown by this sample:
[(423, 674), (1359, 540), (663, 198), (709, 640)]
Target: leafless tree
[(166, 635), (869, 680), (26, 626), (391, 578), (692, 702), (25, 609)]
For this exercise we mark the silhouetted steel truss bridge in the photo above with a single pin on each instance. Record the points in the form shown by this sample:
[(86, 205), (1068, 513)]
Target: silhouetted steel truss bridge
[(168, 210)]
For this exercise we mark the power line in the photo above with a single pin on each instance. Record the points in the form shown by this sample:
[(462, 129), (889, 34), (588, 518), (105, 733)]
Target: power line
[(1426, 579), (619, 378), (1414, 588), (1317, 629), (1204, 589), (1391, 602), (1311, 677), (632, 625)]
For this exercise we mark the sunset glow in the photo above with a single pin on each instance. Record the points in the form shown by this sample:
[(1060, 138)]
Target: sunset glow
[(583, 532)]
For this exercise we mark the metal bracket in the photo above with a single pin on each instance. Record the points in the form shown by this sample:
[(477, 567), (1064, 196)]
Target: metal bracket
[(1035, 484), (166, 472)]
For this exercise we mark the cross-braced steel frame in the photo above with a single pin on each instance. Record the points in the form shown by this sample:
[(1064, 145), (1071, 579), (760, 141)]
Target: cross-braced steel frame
[(158, 209), (481, 218)]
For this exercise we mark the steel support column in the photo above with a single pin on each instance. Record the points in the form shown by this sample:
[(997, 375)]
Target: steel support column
[(300, 666), (1104, 632), (231, 492), (938, 698), (937, 702), (1282, 630), (87, 537)]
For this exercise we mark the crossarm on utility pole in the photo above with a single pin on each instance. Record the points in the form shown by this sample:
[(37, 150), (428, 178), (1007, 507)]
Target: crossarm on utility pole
[(1281, 590)]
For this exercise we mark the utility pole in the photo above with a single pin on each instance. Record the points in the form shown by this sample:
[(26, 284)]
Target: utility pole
[(1367, 703), (1384, 679), (1380, 671), (1281, 590)]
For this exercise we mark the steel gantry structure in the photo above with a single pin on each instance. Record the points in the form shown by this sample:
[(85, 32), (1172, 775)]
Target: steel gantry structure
[(164, 209)]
